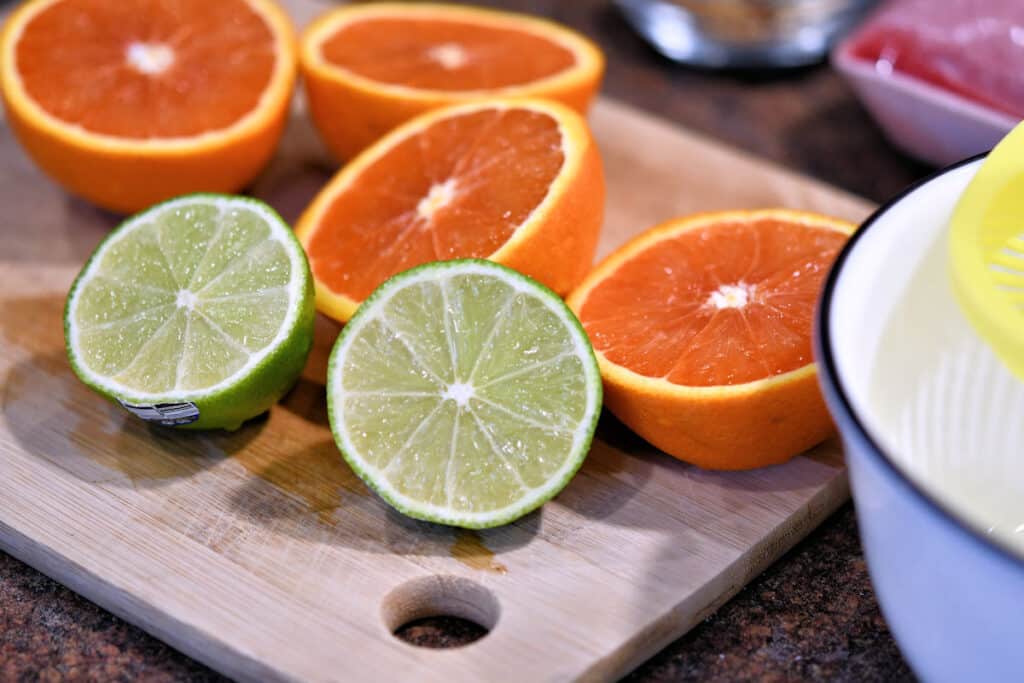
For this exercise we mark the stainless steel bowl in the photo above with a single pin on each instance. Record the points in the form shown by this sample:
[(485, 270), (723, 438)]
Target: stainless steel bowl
[(743, 33)]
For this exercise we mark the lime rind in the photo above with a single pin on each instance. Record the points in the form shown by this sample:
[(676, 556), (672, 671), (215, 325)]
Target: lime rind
[(254, 385), (535, 494)]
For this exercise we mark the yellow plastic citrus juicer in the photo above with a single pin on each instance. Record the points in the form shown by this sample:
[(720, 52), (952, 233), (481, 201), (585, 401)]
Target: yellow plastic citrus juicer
[(986, 247)]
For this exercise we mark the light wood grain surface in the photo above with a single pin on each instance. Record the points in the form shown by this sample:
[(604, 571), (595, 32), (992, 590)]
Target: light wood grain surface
[(261, 554)]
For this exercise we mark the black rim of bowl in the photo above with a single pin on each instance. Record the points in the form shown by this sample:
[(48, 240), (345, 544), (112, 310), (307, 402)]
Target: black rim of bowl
[(830, 376)]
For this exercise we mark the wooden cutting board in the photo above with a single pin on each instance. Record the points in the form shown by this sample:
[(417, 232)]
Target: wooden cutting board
[(261, 554)]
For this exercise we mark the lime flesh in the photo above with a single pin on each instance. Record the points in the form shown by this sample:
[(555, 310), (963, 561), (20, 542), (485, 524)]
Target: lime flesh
[(464, 393), (202, 300)]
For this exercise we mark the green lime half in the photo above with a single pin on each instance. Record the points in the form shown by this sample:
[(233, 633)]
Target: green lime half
[(196, 312), (464, 393)]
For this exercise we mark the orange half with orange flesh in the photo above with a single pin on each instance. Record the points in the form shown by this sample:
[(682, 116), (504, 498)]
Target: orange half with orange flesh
[(369, 67), (130, 102), (515, 181), (702, 329)]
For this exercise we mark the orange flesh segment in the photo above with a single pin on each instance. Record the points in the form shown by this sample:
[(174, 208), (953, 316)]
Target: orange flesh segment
[(457, 189), (676, 310), (442, 54), (204, 65)]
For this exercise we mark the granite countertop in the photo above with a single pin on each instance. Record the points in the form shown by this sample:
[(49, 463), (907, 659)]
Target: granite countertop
[(811, 616)]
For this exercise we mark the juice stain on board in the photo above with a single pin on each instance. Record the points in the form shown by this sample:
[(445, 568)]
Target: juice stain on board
[(469, 549)]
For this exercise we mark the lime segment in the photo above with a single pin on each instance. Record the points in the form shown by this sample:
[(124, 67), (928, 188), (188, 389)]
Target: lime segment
[(464, 393)]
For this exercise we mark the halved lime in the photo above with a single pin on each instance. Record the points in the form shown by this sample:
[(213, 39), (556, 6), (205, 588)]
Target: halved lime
[(464, 393), (196, 312)]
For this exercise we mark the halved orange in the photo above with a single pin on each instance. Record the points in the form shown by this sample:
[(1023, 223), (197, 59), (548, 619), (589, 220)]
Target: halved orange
[(702, 329), (130, 102), (369, 67), (515, 181)]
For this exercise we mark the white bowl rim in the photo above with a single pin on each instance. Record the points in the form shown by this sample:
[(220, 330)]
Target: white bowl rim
[(841, 405)]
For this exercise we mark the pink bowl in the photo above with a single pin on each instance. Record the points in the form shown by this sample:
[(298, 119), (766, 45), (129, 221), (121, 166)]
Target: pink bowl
[(925, 121)]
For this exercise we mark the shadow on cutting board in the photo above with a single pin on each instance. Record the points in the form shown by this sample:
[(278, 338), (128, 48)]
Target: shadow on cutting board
[(96, 441), (316, 479), (621, 465), (57, 418)]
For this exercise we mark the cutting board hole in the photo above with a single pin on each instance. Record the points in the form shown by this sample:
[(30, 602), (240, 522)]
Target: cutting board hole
[(440, 611), (441, 633)]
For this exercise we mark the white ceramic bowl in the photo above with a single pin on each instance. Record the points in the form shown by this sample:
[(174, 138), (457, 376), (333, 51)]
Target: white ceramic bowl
[(925, 121), (933, 428)]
